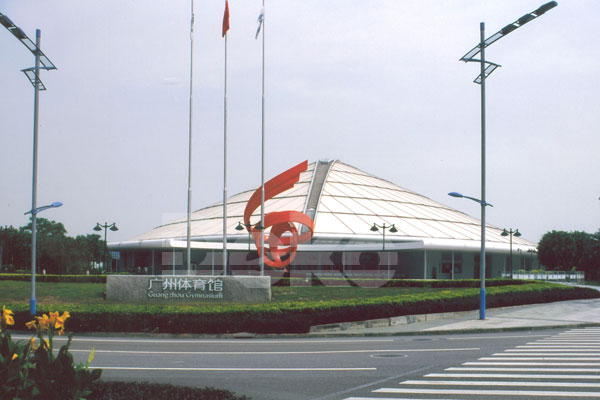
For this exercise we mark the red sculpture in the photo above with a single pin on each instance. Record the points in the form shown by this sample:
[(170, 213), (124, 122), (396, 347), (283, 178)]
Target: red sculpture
[(280, 248)]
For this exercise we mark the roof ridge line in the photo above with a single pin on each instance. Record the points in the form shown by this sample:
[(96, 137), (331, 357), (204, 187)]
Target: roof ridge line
[(320, 174)]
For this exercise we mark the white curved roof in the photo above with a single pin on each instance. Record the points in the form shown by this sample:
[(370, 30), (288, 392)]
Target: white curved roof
[(344, 203)]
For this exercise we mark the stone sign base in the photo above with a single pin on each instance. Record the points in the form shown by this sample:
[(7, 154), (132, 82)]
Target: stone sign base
[(188, 288)]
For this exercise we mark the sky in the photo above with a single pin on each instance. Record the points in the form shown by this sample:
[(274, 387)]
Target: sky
[(376, 84)]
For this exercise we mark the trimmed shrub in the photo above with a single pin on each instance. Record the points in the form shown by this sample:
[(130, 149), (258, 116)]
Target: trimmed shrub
[(55, 278), (423, 283), (143, 390)]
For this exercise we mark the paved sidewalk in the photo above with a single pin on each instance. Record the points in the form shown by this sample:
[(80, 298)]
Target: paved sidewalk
[(535, 316)]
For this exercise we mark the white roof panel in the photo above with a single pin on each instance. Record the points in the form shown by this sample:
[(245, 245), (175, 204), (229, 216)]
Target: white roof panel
[(348, 202)]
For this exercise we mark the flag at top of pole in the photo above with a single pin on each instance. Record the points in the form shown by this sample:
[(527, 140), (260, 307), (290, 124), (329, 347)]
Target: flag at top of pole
[(261, 17), (226, 19)]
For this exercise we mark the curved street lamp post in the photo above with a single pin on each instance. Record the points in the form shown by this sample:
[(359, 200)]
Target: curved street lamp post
[(98, 228), (34, 212), (482, 255)]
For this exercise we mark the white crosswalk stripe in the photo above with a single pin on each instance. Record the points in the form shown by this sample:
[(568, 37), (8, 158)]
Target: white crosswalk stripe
[(566, 365)]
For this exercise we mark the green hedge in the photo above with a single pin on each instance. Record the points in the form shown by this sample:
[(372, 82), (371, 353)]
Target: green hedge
[(55, 278), (314, 281), (424, 283), (106, 390), (292, 317)]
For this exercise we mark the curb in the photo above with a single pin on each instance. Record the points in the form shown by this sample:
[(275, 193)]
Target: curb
[(390, 322)]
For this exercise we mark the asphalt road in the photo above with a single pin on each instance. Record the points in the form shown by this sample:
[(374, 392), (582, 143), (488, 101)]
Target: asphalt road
[(425, 367)]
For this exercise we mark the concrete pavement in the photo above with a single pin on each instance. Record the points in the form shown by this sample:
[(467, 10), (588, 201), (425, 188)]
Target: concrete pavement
[(535, 316)]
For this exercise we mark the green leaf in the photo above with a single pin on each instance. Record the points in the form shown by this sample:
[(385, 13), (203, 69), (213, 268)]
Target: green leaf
[(90, 358)]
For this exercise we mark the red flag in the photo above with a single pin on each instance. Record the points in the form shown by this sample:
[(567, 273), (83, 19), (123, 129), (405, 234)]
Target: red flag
[(226, 18)]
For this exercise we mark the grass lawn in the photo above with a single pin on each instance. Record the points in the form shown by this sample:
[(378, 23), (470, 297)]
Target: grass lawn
[(90, 293), (51, 293)]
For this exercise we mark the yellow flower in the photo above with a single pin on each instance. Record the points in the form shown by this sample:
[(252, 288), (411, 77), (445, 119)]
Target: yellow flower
[(32, 344), (7, 316), (31, 325), (43, 322), (14, 356), (59, 325)]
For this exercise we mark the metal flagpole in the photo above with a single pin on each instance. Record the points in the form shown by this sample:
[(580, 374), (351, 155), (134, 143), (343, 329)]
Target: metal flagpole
[(262, 167), (225, 156), (189, 197)]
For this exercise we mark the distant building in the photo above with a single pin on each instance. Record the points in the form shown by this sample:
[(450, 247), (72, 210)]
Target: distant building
[(431, 241)]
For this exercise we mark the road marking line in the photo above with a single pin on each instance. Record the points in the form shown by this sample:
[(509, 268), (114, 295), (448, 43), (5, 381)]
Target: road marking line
[(232, 369), (550, 350), (559, 340), (502, 383), (489, 392), (540, 358), (514, 376), (495, 337), (566, 340), (578, 334), (276, 352), (523, 369), (353, 389), (385, 398), (570, 364), (551, 354), (227, 341), (559, 346)]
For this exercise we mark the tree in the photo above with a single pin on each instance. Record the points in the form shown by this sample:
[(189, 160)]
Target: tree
[(590, 260), (51, 242), (566, 250), (56, 252), (88, 249), (15, 248), (557, 250)]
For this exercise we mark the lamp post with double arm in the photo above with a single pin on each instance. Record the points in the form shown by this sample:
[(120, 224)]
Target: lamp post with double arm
[(510, 233), (486, 68), (392, 228), (105, 226), (33, 74)]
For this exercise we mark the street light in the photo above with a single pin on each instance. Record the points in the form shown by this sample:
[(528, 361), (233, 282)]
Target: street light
[(531, 252), (34, 77), (376, 227), (34, 212), (510, 233), (240, 227), (98, 228), (486, 68), (482, 254), (392, 228), (462, 196)]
